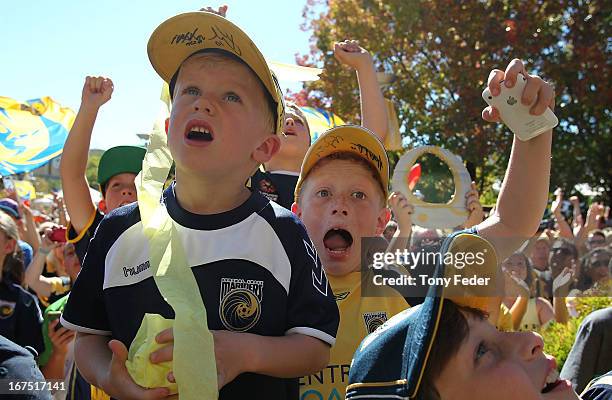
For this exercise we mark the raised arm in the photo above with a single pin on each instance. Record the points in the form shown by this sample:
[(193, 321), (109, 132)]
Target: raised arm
[(524, 191), (96, 92), (373, 107), (555, 208), (402, 210), (32, 236)]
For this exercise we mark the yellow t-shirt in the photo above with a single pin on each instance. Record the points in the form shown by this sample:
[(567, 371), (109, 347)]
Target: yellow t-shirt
[(359, 316)]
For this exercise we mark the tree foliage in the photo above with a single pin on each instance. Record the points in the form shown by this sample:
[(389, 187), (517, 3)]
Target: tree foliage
[(441, 53)]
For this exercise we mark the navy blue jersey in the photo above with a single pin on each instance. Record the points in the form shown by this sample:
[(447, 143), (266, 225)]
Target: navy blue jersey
[(258, 252), (20, 316), (276, 186), (81, 240)]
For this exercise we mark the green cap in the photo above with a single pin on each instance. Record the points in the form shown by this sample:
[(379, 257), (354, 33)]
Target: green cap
[(118, 160)]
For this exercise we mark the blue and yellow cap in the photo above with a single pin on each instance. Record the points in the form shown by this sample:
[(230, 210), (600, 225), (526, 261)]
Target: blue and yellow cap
[(391, 361)]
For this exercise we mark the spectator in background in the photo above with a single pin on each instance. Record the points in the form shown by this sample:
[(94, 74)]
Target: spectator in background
[(20, 318), (278, 181), (591, 354), (595, 271), (565, 268), (596, 238), (529, 311), (541, 267), (11, 208), (57, 361), (47, 276)]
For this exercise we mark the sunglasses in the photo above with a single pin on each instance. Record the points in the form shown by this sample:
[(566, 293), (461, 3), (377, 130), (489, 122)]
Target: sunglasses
[(600, 263)]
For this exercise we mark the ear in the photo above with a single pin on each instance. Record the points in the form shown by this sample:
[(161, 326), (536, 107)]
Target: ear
[(381, 222), (295, 208), (267, 149), (102, 206)]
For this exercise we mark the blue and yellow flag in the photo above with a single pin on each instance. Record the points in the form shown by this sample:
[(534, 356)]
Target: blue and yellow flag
[(320, 120), (31, 133)]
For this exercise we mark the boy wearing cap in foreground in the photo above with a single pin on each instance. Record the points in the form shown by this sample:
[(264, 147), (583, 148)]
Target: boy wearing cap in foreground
[(278, 180), (116, 171), (445, 348), (268, 304)]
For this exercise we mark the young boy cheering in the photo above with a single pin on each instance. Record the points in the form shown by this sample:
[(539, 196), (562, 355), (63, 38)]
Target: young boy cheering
[(116, 171), (278, 180), (268, 304), (341, 197)]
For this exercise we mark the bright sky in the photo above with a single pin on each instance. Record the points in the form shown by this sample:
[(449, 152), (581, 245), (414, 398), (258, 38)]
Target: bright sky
[(49, 47)]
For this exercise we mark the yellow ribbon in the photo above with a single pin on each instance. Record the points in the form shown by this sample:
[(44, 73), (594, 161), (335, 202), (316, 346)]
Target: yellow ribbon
[(193, 365)]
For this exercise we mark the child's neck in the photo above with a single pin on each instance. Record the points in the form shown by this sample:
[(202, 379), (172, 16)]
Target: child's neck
[(200, 195), (283, 164)]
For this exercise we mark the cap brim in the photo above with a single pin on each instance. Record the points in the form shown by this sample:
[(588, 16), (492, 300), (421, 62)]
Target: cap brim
[(393, 359), (352, 139), (179, 37)]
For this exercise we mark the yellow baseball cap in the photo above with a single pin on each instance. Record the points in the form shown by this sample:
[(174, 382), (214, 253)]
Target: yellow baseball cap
[(181, 36), (352, 139)]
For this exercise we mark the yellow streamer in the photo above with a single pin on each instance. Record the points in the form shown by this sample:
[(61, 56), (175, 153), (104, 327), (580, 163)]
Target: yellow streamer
[(193, 363)]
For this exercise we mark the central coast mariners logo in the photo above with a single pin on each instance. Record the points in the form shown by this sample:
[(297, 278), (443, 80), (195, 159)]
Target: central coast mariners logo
[(240, 303), (373, 320)]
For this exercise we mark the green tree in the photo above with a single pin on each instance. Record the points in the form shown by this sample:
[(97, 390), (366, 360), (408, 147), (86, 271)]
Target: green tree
[(91, 171), (441, 53)]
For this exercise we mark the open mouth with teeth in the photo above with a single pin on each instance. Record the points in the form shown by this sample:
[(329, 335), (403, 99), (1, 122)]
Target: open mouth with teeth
[(199, 131), (552, 381), (338, 241)]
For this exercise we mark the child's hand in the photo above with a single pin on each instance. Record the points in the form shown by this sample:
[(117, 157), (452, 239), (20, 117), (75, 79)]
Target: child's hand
[(555, 206), (594, 211), (61, 338), (232, 351), (96, 91), (166, 352), (472, 204), (402, 211), (350, 53), (119, 384), (221, 11), (25, 210), (575, 201), (46, 244), (229, 353), (562, 283), (536, 88)]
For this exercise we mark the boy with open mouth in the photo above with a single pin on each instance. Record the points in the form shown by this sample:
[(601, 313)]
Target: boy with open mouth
[(341, 195)]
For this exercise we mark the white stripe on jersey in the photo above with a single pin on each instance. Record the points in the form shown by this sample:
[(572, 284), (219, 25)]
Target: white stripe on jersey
[(252, 239)]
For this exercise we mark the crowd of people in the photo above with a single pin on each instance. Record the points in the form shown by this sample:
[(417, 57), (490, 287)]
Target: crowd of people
[(272, 304)]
